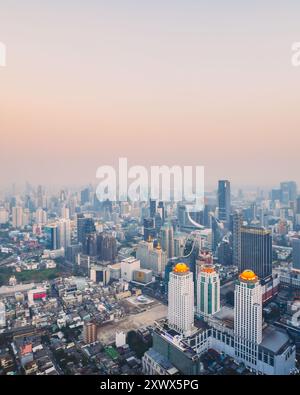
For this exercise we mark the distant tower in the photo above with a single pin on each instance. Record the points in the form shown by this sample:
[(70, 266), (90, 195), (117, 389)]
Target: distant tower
[(224, 201), (236, 237), (167, 240), (2, 315), (181, 300), (247, 311), (64, 233), (152, 208), (208, 290)]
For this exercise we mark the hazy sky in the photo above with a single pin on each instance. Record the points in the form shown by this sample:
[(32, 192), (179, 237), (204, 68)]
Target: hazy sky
[(159, 82)]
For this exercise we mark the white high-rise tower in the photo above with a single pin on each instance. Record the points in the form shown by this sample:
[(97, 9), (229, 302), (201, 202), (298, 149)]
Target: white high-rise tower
[(181, 300), (248, 307)]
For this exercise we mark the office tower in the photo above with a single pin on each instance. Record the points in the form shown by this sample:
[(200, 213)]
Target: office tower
[(40, 197), (179, 244), (40, 216), (65, 212), (26, 217), (17, 217), (52, 236), (275, 194), (236, 238), (181, 299), (288, 192), (4, 216), (296, 253), (64, 233), (85, 196), (72, 252), (256, 251), (128, 266), (2, 315), (224, 253), (91, 244), (85, 225), (181, 213), (161, 210), (143, 252), (247, 311), (152, 208), (224, 200), (100, 274), (89, 333), (217, 230), (149, 229), (167, 240), (107, 247), (298, 205), (158, 222), (208, 290), (157, 261)]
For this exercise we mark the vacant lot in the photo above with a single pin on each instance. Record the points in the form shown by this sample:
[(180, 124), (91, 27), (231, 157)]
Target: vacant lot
[(106, 334)]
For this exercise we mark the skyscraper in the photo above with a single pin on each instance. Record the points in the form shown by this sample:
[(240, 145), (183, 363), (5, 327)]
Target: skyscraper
[(152, 208), (85, 225), (167, 240), (224, 200), (236, 238), (107, 247), (2, 315), (288, 191), (149, 229), (64, 233), (256, 250), (181, 300), (296, 253), (208, 290), (247, 313), (17, 217)]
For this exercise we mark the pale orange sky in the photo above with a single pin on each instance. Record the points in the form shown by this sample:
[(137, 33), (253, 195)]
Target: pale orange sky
[(162, 82)]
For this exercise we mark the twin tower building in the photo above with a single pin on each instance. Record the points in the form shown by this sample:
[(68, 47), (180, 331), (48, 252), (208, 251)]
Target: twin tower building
[(182, 309)]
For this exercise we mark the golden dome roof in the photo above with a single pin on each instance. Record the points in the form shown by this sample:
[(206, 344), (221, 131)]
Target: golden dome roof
[(181, 268), (248, 275)]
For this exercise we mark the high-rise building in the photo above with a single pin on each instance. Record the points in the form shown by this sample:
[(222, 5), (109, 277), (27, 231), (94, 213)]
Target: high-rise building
[(224, 203), (247, 313), (208, 290), (152, 208), (161, 210), (298, 205), (85, 225), (167, 240), (64, 233), (181, 300), (296, 253), (89, 333), (91, 244), (256, 251), (65, 212), (236, 238), (52, 236), (107, 247), (4, 216), (288, 192), (85, 196), (2, 315), (149, 229), (40, 216), (17, 217)]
